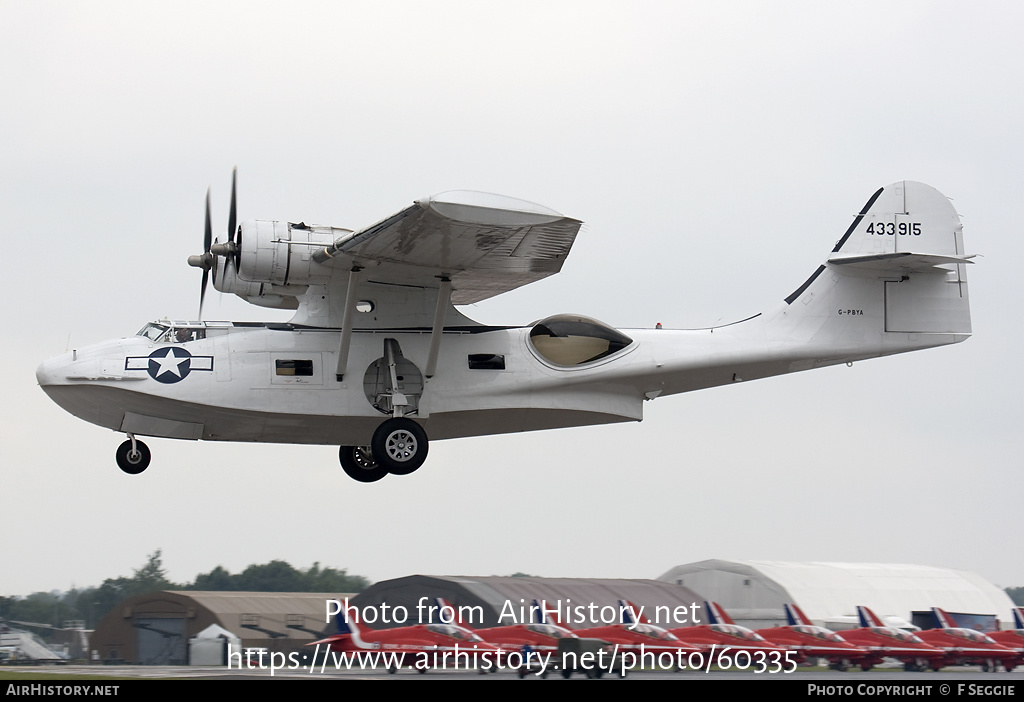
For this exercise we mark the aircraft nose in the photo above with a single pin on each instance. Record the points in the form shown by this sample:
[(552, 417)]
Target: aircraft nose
[(49, 371)]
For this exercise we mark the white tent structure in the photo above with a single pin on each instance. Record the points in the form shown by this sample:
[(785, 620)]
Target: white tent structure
[(754, 592), (212, 645), (19, 645)]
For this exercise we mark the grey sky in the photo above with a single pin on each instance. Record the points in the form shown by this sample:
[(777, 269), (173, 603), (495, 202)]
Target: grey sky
[(715, 152)]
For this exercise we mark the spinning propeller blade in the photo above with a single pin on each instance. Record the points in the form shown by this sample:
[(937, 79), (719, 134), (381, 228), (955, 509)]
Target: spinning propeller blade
[(207, 242), (231, 251), (232, 220)]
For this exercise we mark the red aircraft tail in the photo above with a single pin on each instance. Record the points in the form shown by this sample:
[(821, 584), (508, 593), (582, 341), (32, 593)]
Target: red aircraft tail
[(545, 615), (868, 618), (717, 615), (795, 615), (631, 614), (446, 612), (1018, 617), (346, 629), (944, 620)]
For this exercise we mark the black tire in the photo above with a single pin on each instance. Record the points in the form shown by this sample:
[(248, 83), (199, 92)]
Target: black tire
[(133, 464), (400, 445), (360, 466)]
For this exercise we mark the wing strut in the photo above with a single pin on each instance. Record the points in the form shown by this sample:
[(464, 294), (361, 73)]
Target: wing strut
[(347, 321), (444, 296)]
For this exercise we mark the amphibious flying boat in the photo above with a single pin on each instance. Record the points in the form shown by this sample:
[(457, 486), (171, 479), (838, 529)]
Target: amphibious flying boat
[(377, 358)]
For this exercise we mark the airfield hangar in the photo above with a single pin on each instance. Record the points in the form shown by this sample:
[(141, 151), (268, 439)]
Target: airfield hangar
[(754, 592), (485, 599), (154, 628)]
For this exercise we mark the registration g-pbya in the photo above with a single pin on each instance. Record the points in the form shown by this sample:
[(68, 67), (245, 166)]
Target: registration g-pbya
[(377, 357)]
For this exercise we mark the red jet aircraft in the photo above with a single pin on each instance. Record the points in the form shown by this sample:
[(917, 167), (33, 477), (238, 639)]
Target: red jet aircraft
[(965, 646), (638, 638), (539, 637), (724, 635), (1013, 638), (881, 642), (421, 646), (810, 641)]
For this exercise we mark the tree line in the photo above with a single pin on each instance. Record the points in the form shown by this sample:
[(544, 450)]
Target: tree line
[(92, 603)]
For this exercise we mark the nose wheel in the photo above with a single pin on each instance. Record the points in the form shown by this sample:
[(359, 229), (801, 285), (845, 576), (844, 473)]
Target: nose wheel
[(133, 456), (400, 445)]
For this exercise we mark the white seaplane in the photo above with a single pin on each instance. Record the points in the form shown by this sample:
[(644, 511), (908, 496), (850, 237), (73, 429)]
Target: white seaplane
[(377, 357)]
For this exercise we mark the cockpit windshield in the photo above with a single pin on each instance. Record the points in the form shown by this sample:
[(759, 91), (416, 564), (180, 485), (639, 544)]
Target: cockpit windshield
[(971, 635), (819, 632), (897, 634), (555, 632), (454, 631), (168, 333), (654, 632), (153, 331), (740, 632)]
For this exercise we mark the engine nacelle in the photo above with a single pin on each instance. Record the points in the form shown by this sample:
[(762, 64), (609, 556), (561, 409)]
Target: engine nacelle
[(281, 253)]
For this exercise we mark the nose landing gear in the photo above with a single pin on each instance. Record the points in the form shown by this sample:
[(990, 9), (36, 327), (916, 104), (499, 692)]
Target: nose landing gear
[(133, 456)]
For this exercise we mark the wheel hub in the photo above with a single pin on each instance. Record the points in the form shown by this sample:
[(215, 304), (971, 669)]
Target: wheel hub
[(401, 445)]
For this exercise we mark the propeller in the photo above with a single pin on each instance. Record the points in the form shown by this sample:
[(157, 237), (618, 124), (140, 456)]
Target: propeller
[(231, 251)]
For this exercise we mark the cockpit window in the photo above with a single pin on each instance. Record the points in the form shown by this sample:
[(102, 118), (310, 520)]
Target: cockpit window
[(152, 331), (169, 334), (819, 632), (571, 340), (555, 632), (454, 631), (740, 632), (654, 632)]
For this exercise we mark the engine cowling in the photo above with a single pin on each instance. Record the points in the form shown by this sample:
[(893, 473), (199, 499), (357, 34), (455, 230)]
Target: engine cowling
[(281, 253)]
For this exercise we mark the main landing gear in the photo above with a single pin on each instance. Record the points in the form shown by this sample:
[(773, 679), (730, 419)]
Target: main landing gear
[(133, 456), (399, 446)]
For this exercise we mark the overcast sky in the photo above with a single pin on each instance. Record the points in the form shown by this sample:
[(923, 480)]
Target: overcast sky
[(716, 152)]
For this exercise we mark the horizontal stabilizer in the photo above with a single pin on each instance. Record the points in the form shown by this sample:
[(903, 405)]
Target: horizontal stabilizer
[(898, 261)]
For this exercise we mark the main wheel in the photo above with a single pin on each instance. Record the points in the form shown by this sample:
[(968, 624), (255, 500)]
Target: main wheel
[(400, 445), (358, 464), (133, 463)]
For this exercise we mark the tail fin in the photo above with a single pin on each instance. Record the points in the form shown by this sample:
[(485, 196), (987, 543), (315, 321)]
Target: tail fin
[(899, 269), (639, 612), (867, 617), (351, 628), (943, 619), (626, 614), (544, 614), (795, 615), (446, 612), (1018, 617), (717, 615)]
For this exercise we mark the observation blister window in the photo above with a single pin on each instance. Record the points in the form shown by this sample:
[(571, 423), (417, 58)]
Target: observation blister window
[(571, 340)]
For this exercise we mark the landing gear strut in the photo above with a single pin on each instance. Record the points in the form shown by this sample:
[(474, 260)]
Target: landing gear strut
[(133, 456), (358, 464)]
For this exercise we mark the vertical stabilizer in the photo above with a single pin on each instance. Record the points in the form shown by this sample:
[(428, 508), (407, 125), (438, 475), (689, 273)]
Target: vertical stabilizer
[(868, 618), (895, 281), (717, 615), (795, 615)]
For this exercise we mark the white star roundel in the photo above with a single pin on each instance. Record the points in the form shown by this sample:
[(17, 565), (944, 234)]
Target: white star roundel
[(170, 364)]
